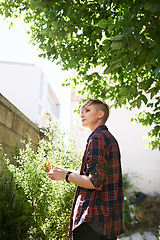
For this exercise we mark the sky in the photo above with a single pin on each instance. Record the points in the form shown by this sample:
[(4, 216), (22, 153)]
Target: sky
[(15, 47)]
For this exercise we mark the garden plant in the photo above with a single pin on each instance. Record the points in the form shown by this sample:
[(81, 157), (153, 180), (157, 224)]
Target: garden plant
[(33, 206)]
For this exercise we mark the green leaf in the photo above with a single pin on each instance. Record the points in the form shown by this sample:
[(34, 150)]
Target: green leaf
[(123, 91), (134, 104), (117, 45), (102, 23), (132, 43), (118, 57), (152, 6), (118, 37), (139, 102), (110, 24), (110, 21), (144, 99), (115, 65)]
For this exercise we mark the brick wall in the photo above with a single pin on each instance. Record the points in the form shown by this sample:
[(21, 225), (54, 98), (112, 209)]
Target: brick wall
[(14, 127)]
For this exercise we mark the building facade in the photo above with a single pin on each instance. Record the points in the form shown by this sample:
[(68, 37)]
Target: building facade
[(26, 86)]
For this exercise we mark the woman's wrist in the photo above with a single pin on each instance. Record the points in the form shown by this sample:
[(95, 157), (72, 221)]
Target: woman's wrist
[(67, 176)]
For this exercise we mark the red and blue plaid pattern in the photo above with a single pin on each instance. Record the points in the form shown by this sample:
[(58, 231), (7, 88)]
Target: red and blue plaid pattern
[(105, 203)]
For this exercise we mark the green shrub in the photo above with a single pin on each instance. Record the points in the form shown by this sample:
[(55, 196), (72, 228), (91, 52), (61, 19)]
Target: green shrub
[(129, 215), (14, 224), (45, 204)]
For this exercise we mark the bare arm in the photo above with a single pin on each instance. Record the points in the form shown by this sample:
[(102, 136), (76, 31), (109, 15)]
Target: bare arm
[(80, 180)]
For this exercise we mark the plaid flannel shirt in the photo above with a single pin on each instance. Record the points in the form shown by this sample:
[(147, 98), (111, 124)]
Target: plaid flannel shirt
[(105, 203)]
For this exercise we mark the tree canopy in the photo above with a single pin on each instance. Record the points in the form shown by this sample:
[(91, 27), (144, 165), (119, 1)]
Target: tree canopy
[(122, 37)]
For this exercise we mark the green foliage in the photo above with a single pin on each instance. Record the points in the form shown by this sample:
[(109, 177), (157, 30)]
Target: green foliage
[(16, 212), (43, 205), (120, 36), (129, 214)]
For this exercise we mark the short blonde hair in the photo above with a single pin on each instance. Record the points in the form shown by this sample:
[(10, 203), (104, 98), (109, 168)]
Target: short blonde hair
[(101, 106)]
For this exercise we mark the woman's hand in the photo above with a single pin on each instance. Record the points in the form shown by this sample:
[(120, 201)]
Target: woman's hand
[(57, 173)]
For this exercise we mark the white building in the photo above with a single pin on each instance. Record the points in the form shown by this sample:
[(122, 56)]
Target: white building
[(142, 164), (26, 86)]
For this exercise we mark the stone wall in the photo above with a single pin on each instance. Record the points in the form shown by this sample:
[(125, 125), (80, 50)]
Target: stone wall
[(14, 127)]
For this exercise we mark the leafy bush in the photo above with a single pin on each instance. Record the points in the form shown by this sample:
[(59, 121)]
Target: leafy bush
[(129, 213), (44, 205), (13, 222)]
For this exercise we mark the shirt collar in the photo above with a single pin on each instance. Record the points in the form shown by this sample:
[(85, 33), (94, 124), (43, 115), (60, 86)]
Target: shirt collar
[(99, 128)]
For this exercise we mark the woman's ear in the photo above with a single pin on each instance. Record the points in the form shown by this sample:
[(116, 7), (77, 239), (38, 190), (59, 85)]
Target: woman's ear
[(101, 114)]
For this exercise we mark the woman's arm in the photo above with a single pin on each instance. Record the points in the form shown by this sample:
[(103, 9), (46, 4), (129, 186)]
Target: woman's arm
[(80, 180)]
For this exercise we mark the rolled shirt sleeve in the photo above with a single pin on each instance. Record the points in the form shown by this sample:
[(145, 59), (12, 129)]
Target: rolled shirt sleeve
[(96, 164)]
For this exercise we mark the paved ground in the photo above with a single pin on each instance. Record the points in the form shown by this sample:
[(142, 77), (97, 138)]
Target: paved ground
[(140, 236)]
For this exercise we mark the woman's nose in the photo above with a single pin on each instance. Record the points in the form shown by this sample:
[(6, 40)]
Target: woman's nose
[(81, 114)]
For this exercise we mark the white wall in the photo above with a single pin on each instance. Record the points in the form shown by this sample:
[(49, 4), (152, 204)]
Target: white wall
[(20, 84), (141, 163)]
